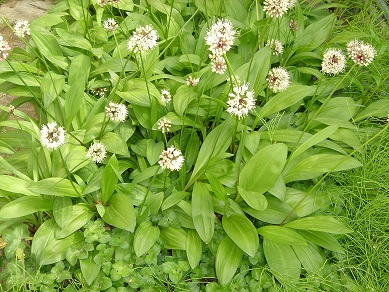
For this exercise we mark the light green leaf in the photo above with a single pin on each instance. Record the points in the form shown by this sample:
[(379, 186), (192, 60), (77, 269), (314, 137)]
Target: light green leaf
[(282, 235), (316, 165), (305, 204), (194, 248), (255, 200), (323, 239), (174, 238), (120, 213), (242, 232), (214, 144), (46, 43), (109, 179), (202, 212), (15, 185), (282, 260), (114, 143), (285, 99), (135, 92), (319, 223), (89, 268), (145, 237), (24, 206), (173, 199), (263, 170), (56, 186), (310, 257)]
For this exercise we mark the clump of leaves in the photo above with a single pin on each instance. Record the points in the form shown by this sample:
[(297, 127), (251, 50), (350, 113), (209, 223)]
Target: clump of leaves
[(169, 150)]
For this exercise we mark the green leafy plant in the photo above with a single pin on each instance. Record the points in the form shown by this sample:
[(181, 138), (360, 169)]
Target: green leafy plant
[(169, 152)]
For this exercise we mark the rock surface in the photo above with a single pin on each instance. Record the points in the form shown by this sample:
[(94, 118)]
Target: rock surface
[(10, 11)]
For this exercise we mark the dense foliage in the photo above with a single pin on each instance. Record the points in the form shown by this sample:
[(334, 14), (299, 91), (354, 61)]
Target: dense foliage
[(178, 145)]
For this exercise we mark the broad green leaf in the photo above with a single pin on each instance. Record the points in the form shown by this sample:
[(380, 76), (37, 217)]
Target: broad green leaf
[(15, 185), (242, 232), (323, 239), (89, 268), (70, 217), (214, 144), (275, 213), (24, 206), (260, 67), (310, 257), (228, 259), (285, 99), (181, 99), (145, 236), (262, 171), (109, 179), (217, 187), (42, 237), (136, 92), (173, 199), (194, 248), (305, 204), (282, 260), (114, 143), (55, 250), (313, 140), (316, 165), (120, 213), (202, 212), (56, 186), (319, 223), (315, 34), (255, 200), (173, 238), (69, 39), (209, 7), (282, 234), (378, 108), (46, 43)]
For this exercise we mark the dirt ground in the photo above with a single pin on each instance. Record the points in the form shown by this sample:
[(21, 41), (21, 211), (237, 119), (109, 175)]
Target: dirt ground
[(10, 11)]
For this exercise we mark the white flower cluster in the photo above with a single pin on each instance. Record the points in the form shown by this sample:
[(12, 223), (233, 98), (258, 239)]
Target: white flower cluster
[(171, 158), (165, 96), (143, 39), (99, 91), (105, 2), (190, 81), (277, 8), (278, 79), (241, 100), (275, 46), (96, 152), (22, 27), (361, 53), (218, 64), (220, 37), (4, 48), (110, 24), (116, 111), (164, 125), (52, 136), (333, 62)]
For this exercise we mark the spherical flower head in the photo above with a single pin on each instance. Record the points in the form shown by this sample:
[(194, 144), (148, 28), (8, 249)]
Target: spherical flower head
[(22, 27), (218, 64), (164, 125), (52, 136), (110, 24), (220, 37), (275, 46), (171, 158), (102, 2), (362, 54), (333, 62), (4, 48), (291, 4), (165, 96), (278, 79), (241, 101), (116, 111), (143, 39), (96, 152), (276, 8), (190, 81)]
